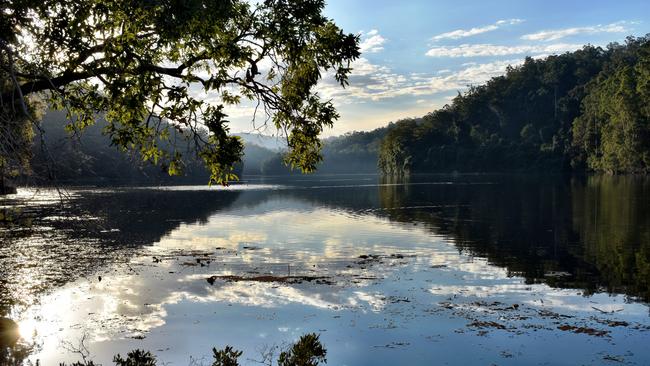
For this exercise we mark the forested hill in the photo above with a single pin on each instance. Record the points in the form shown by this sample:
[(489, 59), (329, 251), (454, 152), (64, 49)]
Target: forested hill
[(585, 110), (88, 157), (355, 152)]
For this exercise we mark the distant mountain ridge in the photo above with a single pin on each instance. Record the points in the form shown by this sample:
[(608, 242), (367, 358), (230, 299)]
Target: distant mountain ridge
[(89, 157), (273, 143)]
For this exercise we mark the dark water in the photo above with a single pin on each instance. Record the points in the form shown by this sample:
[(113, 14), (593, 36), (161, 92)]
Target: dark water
[(518, 270)]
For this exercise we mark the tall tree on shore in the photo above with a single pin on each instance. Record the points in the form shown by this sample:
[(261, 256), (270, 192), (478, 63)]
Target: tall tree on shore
[(138, 62), (613, 130)]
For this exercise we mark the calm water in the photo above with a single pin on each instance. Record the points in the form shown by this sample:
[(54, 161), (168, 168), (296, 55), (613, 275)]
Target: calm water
[(438, 270)]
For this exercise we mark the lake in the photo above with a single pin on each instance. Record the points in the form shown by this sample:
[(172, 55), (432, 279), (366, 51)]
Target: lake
[(436, 270)]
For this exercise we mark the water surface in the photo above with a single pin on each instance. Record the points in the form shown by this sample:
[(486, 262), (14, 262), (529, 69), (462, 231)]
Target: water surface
[(436, 270)]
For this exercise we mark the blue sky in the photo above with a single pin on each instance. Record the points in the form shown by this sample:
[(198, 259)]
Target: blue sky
[(418, 54)]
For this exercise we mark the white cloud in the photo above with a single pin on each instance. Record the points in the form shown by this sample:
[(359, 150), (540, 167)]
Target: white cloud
[(363, 67), (370, 82), (553, 35), (463, 33), (477, 50), (372, 42), (510, 21), (483, 72)]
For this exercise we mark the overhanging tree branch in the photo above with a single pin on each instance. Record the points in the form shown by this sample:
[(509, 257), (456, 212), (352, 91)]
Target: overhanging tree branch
[(117, 58)]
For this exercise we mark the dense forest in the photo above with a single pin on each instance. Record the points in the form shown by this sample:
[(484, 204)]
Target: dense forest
[(582, 111)]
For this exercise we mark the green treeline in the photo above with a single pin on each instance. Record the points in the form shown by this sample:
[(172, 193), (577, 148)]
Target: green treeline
[(585, 110)]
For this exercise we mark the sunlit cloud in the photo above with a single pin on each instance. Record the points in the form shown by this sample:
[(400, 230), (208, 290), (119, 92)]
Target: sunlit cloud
[(463, 33), (372, 42), (553, 35), (370, 82), (482, 50)]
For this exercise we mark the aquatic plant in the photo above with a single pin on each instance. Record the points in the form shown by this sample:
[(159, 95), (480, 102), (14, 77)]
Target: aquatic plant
[(308, 351), (226, 357), (136, 358)]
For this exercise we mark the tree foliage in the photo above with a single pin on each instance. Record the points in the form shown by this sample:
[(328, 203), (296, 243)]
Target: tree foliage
[(226, 357), (308, 351), (139, 62), (613, 132), (136, 358)]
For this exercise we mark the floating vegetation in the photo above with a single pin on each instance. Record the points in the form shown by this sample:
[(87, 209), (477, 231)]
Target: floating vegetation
[(270, 278), (583, 330), (486, 324)]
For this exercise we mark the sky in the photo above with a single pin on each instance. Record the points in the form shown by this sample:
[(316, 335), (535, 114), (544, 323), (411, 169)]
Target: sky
[(418, 54)]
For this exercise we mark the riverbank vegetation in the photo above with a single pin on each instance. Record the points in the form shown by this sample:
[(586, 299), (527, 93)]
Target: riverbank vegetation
[(307, 351)]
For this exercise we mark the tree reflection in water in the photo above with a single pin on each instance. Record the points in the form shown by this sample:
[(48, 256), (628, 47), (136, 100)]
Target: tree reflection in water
[(590, 233)]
